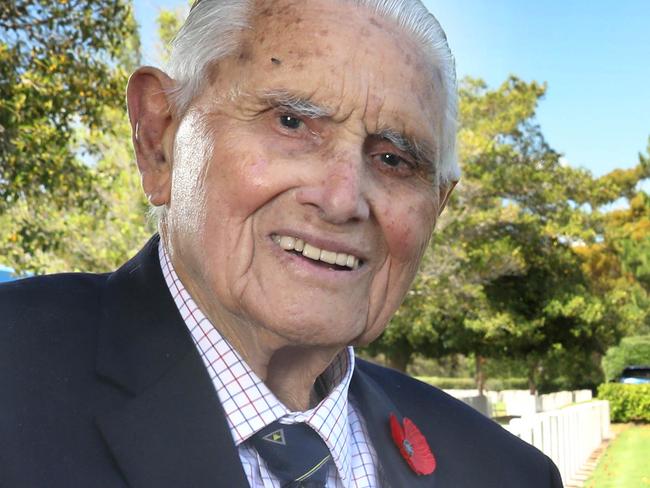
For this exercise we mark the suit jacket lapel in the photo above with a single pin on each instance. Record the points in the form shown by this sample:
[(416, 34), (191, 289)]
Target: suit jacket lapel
[(171, 430), (376, 408)]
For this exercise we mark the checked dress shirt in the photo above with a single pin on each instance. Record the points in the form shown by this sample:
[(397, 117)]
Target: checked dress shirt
[(249, 405)]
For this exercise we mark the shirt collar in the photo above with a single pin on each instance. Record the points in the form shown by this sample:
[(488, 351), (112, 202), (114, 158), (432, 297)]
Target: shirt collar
[(247, 402)]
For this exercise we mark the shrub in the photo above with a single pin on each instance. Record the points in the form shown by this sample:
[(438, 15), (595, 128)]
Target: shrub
[(449, 383), (498, 384), (495, 384), (631, 350), (627, 403)]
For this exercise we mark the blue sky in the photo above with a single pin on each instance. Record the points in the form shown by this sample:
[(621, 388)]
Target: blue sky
[(594, 55)]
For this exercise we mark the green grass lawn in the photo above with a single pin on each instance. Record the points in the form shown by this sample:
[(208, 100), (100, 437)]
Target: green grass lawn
[(626, 462)]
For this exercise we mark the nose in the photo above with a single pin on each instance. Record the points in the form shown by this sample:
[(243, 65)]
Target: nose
[(339, 192)]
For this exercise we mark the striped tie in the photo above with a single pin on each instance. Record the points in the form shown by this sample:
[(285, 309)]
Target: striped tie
[(294, 453)]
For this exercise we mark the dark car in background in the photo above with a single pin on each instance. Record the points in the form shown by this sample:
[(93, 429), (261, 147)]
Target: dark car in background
[(634, 375)]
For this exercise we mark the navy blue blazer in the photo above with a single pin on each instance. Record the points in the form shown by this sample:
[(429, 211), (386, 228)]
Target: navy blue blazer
[(101, 386)]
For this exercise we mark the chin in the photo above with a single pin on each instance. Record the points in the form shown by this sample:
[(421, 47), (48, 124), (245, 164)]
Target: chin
[(368, 337), (318, 334)]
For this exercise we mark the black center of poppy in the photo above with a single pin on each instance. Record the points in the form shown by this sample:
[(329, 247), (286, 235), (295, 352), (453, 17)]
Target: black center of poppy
[(408, 447)]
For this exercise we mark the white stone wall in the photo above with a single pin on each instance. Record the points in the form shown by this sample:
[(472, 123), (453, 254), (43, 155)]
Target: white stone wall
[(582, 396), (482, 403), (519, 403), (567, 425), (568, 435)]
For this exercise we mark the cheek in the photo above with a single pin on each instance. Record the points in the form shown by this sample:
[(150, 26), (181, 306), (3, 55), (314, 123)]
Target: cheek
[(239, 182), (257, 171), (407, 231)]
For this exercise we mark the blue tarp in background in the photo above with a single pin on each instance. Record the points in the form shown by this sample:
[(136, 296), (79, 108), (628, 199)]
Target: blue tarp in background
[(6, 274)]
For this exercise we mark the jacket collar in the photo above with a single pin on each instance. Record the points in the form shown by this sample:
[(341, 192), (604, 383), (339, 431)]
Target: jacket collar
[(376, 408), (170, 430)]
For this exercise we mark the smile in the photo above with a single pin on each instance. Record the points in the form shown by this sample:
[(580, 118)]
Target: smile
[(314, 253)]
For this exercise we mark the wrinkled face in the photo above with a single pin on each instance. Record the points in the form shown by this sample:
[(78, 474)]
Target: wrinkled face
[(303, 188)]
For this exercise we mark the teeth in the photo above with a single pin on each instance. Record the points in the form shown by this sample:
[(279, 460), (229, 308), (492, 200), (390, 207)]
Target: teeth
[(328, 256), (341, 259), (287, 243), (312, 252)]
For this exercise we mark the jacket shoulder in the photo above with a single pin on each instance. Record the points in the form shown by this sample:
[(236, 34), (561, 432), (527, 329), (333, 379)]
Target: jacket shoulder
[(48, 299), (417, 398), (48, 320), (468, 445)]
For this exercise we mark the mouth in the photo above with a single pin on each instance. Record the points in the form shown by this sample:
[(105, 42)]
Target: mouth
[(338, 261)]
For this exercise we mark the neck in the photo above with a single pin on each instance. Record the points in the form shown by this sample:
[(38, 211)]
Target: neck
[(290, 371)]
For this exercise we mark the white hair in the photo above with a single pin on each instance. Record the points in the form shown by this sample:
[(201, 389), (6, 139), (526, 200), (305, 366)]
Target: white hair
[(213, 30)]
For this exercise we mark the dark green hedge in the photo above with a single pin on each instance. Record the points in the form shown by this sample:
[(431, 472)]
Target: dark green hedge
[(496, 384), (449, 383), (627, 403)]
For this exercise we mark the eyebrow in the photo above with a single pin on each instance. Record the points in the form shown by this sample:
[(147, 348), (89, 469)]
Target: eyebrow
[(296, 104)]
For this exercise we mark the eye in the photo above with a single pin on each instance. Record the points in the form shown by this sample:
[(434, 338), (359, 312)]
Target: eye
[(394, 164), (389, 159), (392, 160), (290, 122)]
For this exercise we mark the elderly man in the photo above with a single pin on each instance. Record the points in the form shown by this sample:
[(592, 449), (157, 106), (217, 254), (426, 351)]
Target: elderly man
[(298, 154)]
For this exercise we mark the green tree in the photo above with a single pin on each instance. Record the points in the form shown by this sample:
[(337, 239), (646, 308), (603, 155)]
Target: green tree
[(169, 22), (97, 236), (619, 264), (61, 65), (634, 350), (67, 195)]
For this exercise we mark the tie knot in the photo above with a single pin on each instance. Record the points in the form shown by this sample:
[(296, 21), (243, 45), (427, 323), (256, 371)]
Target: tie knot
[(294, 453)]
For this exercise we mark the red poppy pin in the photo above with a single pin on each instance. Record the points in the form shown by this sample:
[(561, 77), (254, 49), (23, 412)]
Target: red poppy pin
[(413, 446)]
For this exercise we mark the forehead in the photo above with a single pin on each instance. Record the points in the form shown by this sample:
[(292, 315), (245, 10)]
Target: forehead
[(341, 56)]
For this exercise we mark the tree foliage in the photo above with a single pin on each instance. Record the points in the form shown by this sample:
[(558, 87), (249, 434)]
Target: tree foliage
[(64, 138), (619, 263), (96, 236), (632, 351), (169, 22), (61, 65)]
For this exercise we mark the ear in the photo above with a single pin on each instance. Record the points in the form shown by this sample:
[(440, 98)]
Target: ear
[(152, 131), (445, 193)]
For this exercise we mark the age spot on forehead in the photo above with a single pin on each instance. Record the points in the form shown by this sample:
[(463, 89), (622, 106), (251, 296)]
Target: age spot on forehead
[(287, 8), (213, 73), (246, 52)]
